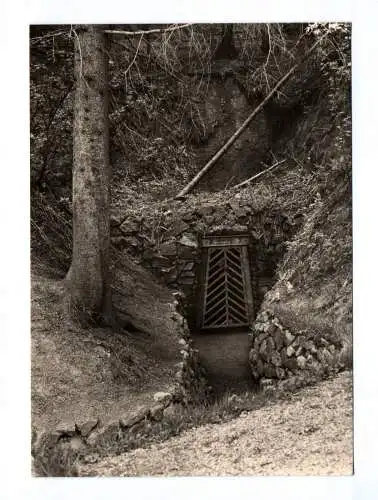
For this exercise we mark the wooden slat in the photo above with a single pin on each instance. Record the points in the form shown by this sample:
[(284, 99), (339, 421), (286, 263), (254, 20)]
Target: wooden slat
[(225, 241), (226, 299)]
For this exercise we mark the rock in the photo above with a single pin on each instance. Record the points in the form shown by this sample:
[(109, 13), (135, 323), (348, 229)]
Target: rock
[(104, 435), (301, 360), (289, 338), (310, 346), (66, 427), (290, 351), (263, 350), (299, 351), (160, 261), (276, 359), (188, 241), (188, 253), (130, 227), (260, 367), (332, 348), (91, 458), (157, 412), (170, 410), (291, 364), (269, 371), (183, 343), (168, 248), (179, 227), (133, 419), (205, 210), (87, 427), (76, 444), (279, 339), (162, 397)]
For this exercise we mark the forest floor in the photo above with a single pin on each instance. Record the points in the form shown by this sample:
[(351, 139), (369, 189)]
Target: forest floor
[(310, 433)]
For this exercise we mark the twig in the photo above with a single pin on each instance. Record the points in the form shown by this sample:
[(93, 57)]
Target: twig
[(133, 61), (242, 184), (49, 35), (147, 32)]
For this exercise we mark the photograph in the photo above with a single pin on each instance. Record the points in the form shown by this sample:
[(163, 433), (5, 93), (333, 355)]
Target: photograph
[(191, 255)]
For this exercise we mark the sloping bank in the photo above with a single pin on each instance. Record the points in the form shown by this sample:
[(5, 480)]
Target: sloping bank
[(303, 330)]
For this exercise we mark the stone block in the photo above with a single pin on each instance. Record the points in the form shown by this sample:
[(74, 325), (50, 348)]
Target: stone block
[(301, 360), (276, 359), (168, 248), (85, 428), (289, 338), (130, 227), (290, 351), (66, 427), (178, 227), (157, 412), (188, 240), (133, 419)]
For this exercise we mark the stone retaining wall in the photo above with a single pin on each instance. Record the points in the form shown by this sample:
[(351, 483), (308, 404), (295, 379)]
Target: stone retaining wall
[(56, 453), (167, 241), (279, 356)]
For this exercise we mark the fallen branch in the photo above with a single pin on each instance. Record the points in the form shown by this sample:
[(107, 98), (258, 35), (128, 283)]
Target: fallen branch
[(148, 32), (242, 184), (245, 124)]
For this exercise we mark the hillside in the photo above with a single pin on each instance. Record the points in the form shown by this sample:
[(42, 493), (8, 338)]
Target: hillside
[(175, 98)]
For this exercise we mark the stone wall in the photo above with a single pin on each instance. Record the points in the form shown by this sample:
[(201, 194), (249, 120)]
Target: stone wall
[(58, 453), (290, 358), (167, 241)]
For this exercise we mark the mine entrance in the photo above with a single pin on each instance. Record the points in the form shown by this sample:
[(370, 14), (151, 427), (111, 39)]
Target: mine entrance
[(226, 295)]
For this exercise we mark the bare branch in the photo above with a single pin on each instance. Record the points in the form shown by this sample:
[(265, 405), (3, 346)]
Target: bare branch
[(148, 32), (244, 183)]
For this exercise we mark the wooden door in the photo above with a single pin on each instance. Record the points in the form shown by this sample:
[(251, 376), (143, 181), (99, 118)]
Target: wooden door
[(226, 300)]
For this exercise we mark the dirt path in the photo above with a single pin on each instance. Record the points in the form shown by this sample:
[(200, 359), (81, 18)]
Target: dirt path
[(225, 357), (310, 434)]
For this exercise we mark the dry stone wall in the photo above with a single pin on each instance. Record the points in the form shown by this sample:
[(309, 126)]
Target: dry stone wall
[(282, 357), (58, 453), (166, 239)]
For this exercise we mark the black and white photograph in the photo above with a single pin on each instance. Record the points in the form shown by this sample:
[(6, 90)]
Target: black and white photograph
[(191, 249)]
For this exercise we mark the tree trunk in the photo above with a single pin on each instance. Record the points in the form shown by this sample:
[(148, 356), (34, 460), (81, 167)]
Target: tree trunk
[(88, 280)]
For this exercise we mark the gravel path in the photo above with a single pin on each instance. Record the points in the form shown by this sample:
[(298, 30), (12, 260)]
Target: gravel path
[(310, 434)]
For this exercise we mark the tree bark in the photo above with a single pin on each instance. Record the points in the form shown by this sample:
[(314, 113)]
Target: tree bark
[(88, 279)]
